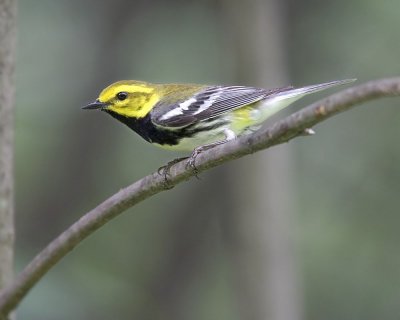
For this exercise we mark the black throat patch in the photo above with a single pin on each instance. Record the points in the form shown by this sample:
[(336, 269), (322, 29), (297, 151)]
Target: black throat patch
[(148, 131)]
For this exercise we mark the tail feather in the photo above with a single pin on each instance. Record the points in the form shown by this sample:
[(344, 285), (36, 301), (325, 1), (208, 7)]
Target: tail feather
[(282, 99), (300, 92)]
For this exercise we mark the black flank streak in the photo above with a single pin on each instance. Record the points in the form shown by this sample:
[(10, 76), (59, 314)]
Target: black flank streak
[(148, 131)]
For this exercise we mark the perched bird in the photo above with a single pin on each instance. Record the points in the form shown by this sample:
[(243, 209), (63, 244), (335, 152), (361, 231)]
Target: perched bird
[(195, 117)]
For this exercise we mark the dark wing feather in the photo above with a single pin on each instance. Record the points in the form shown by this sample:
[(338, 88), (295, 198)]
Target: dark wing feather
[(208, 103)]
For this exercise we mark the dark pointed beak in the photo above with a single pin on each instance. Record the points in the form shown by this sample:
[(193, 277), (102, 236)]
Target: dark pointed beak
[(96, 105)]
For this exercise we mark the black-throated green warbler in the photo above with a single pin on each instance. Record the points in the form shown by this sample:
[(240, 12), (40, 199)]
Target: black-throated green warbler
[(195, 117)]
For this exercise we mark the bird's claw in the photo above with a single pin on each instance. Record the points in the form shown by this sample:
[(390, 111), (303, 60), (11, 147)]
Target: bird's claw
[(164, 170), (192, 161), (191, 164)]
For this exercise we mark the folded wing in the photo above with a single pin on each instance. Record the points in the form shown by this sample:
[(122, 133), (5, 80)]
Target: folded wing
[(207, 104)]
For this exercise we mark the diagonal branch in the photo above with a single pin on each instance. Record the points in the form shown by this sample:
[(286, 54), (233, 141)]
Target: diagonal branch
[(280, 132)]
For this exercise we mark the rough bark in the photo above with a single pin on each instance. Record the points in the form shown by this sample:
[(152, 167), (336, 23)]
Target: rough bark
[(7, 63), (7, 99)]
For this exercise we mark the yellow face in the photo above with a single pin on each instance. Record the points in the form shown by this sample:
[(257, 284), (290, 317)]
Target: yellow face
[(133, 99)]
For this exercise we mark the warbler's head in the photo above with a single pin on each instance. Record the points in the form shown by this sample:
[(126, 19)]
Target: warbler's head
[(128, 98)]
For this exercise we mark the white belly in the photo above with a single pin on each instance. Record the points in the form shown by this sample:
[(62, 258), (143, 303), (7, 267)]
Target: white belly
[(236, 126)]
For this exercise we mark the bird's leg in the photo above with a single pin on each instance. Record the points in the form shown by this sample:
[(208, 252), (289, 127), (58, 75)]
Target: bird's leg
[(192, 159), (164, 170), (229, 135)]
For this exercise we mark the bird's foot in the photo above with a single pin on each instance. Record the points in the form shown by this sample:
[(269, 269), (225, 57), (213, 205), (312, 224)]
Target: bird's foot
[(165, 170)]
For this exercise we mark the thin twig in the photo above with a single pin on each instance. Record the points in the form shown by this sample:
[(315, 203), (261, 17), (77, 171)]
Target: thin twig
[(282, 131)]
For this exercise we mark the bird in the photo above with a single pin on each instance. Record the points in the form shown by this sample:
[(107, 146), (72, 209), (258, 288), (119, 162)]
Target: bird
[(196, 117)]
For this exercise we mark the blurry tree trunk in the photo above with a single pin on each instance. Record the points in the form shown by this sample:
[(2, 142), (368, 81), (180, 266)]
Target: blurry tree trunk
[(7, 61), (83, 141), (190, 256), (262, 247)]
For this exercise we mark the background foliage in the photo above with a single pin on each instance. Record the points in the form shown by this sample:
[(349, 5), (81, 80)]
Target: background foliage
[(170, 258)]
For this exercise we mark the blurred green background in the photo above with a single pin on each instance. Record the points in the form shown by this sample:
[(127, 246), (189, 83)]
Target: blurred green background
[(307, 230)]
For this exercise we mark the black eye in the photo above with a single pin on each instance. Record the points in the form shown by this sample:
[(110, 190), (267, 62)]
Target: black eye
[(122, 95)]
